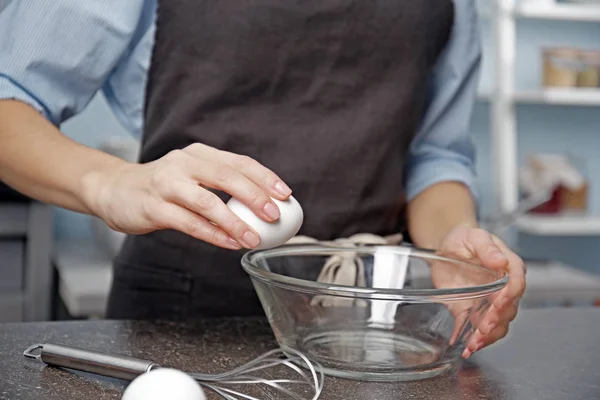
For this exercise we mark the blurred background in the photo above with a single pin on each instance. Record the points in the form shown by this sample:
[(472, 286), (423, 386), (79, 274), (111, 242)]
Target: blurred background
[(536, 126)]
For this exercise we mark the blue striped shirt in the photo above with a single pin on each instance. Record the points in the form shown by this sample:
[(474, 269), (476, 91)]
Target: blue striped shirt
[(56, 54)]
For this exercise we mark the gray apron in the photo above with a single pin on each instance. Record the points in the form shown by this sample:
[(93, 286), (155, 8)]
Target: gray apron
[(328, 94)]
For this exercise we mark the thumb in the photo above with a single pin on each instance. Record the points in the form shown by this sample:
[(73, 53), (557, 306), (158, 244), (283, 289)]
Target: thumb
[(488, 253)]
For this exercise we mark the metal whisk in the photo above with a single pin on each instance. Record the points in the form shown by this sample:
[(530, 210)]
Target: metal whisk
[(306, 385)]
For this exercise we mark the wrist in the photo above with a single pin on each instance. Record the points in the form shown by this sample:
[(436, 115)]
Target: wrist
[(434, 237), (469, 223), (463, 224), (96, 182)]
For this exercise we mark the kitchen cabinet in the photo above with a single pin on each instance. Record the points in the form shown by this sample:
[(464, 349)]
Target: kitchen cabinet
[(25, 267)]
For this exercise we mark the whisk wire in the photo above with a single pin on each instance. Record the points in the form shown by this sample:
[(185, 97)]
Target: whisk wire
[(225, 395), (224, 391), (318, 380), (275, 363), (255, 379), (221, 377), (268, 361), (259, 364), (262, 362)]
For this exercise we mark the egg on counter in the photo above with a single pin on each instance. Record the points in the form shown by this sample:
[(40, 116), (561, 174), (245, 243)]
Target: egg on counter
[(164, 384), (272, 234)]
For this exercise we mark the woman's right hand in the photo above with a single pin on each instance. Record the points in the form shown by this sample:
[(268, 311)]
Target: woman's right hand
[(172, 193)]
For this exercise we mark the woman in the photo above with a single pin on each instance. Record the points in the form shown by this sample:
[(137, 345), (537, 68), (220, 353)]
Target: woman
[(362, 108)]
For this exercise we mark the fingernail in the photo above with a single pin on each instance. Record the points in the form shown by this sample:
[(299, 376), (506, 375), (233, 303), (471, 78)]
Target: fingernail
[(283, 189), (250, 239), (271, 211), (492, 326), (466, 354), (498, 255), (233, 243)]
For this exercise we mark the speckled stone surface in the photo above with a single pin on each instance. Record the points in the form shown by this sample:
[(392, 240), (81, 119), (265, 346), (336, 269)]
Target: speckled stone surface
[(549, 354)]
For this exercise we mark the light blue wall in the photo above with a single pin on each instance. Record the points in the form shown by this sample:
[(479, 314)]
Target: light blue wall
[(541, 128)]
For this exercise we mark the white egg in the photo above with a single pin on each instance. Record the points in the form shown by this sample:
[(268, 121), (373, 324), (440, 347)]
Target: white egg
[(163, 384), (272, 234)]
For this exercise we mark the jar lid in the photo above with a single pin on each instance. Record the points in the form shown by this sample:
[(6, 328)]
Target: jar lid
[(590, 56), (562, 52)]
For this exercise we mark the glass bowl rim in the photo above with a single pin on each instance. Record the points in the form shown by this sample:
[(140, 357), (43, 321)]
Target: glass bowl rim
[(413, 295)]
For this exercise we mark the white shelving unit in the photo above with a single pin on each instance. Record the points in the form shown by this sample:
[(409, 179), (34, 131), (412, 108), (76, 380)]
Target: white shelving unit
[(568, 97), (560, 97), (505, 97), (559, 12), (563, 225)]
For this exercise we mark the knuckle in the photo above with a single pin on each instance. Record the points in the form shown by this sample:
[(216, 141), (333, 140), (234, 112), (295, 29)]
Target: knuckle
[(194, 227), (195, 147), (237, 227), (158, 178), (165, 174), (151, 211), (225, 175), (174, 156), (269, 178), (164, 183), (215, 236), (163, 217), (491, 248), (257, 197), (207, 201), (245, 162)]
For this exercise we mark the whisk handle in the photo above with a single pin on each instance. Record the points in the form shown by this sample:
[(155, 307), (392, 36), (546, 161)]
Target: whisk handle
[(109, 365)]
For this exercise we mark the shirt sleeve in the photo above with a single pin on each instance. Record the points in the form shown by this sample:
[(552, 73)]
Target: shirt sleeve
[(442, 150), (56, 54)]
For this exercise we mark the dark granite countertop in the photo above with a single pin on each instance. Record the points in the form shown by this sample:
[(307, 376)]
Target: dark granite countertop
[(549, 354)]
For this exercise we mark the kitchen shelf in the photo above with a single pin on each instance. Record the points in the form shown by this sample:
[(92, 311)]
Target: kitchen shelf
[(11, 307), (582, 97), (562, 12), (561, 225), (14, 220), (25, 228), (559, 96)]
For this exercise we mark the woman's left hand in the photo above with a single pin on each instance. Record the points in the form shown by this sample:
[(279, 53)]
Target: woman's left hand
[(477, 245)]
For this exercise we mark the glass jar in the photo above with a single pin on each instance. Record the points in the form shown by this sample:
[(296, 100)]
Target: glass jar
[(574, 193), (561, 67), (589, 75)]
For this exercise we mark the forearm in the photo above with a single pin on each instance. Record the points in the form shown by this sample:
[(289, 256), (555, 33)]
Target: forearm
[(37, 160), (437, 210)]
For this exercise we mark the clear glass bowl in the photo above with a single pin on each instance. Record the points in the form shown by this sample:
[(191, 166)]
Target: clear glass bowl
[(379, 313)]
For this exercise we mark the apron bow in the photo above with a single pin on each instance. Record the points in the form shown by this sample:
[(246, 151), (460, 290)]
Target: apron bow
[(345, 268)]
